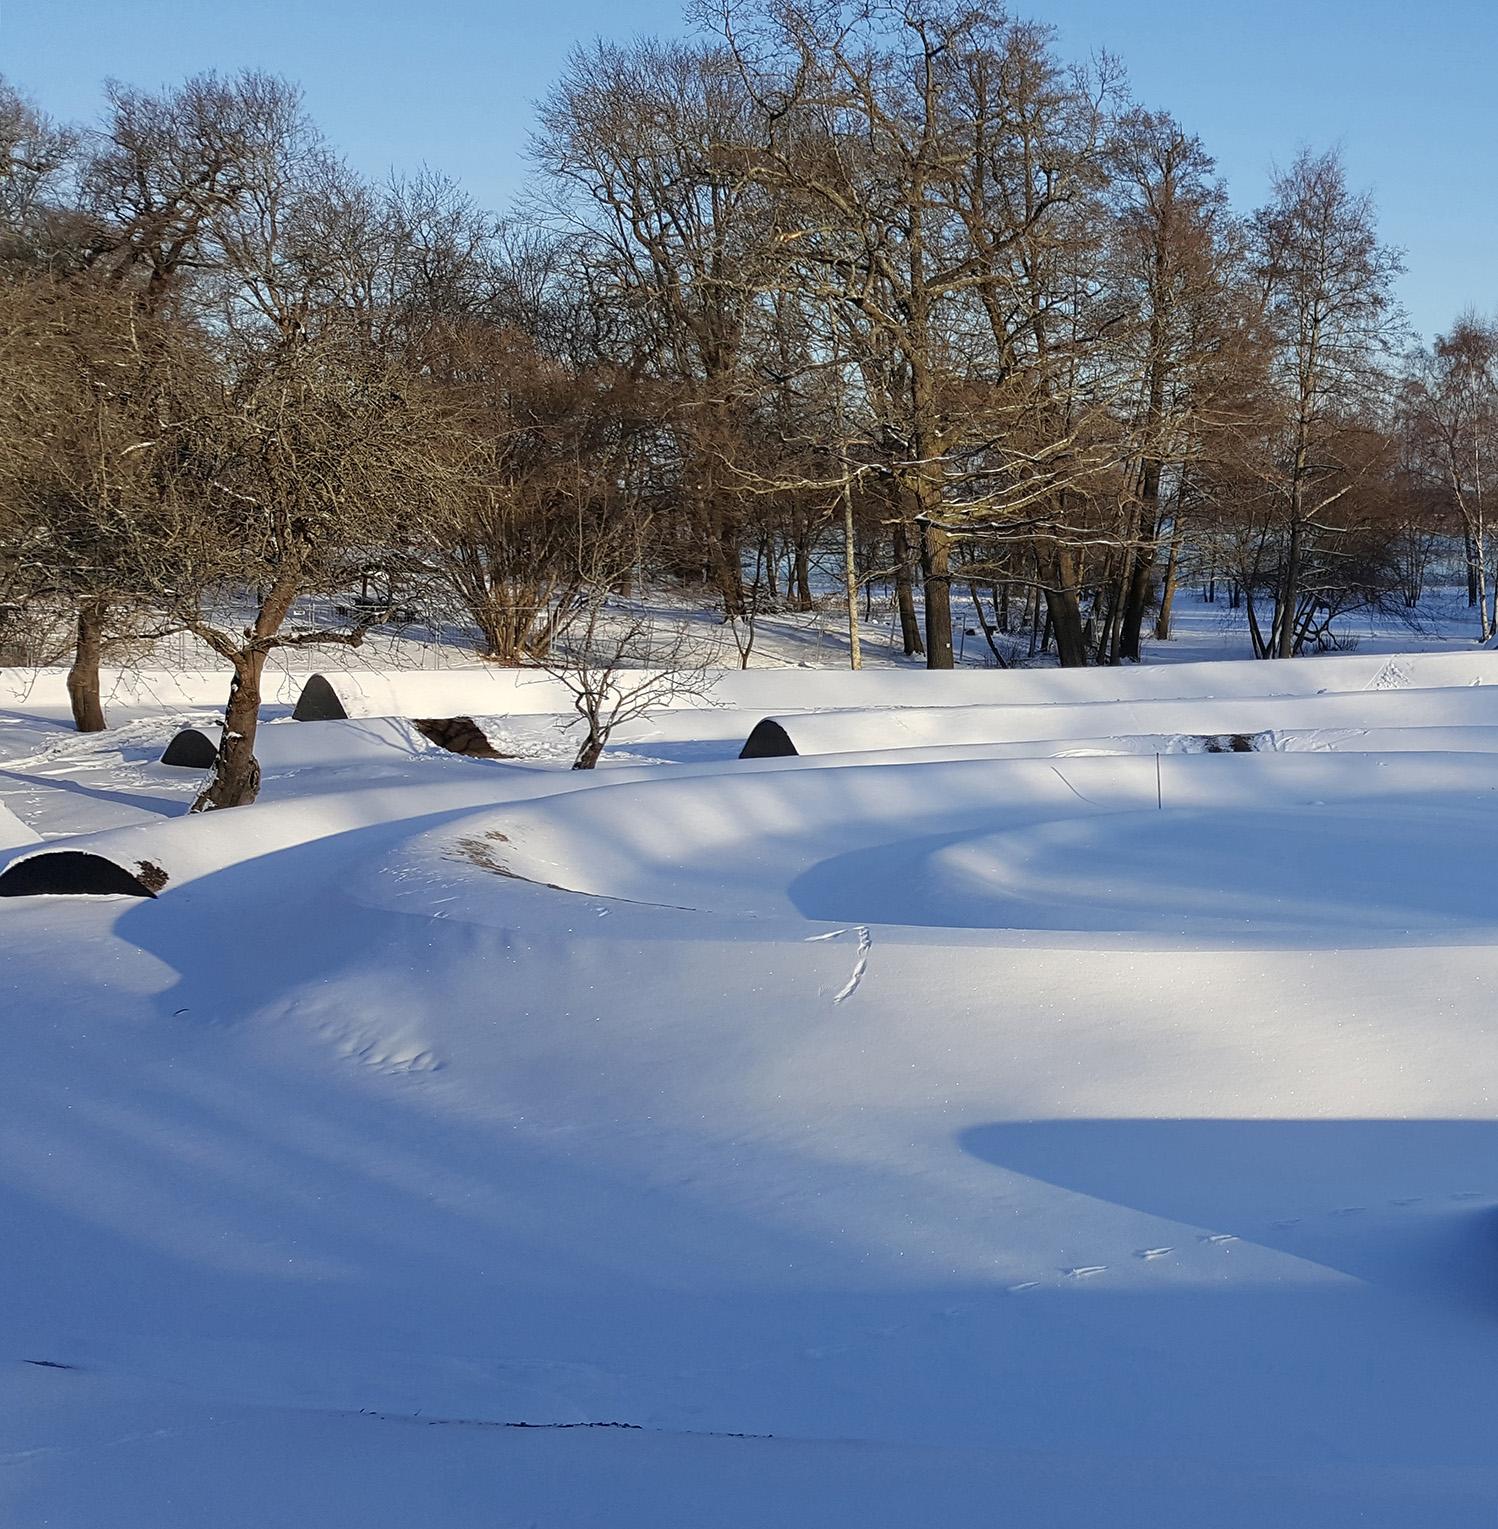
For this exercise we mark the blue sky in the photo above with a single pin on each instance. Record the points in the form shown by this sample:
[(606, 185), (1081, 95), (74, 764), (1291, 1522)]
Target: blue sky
[(1406, 90)]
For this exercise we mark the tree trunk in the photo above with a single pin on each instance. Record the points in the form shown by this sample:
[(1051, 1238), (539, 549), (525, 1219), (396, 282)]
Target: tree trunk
[(802, 581), (495, 629), (1168, 589), (910, 630), (936, 579), (1289, 595), (1096, 632), (723, 562), (850, 577), (1261, 648), (235, 781), (1136, 603), (1480, 570), (1058, 571), (588, 755), (83, 677), (990, 629)]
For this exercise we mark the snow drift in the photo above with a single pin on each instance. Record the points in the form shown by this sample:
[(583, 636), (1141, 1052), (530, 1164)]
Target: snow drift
[(836, 732), (491, 691), (976, 1140), (279, 746), (13, 832), (1189, 841)]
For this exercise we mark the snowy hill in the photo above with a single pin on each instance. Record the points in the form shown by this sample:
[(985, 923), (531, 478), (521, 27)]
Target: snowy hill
[(968, 1134)]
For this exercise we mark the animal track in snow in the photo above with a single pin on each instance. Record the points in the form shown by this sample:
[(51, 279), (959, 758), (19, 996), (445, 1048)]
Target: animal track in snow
[(389, 1058), (394, 1063), (1225, 1239), (1392, 676), (1080, 1272), (860, 966)]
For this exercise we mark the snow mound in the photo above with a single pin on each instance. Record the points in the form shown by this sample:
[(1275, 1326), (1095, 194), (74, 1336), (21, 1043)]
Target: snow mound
[(183, 849), (13, 832), (835, 732), (1231, 841), (1301, 872), (938, 1136)]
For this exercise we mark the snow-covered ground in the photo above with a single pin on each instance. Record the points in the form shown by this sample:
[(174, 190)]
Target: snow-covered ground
[(782, 638), (1002, 1112)]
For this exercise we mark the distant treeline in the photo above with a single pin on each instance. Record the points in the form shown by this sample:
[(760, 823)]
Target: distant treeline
[(895, 276)]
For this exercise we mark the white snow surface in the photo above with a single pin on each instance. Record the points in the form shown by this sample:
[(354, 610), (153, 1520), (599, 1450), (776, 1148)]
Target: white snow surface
[(1049, 1127), (13, 831), (490, 690), (832, 732)]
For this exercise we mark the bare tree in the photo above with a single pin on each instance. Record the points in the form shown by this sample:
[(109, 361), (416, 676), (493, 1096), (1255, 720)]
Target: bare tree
[(543, 445), (167, 168), (104, 301), (937, 181), (95, 396), (643, 147), (619, 662), (1453, 408), (1177, 254), (39, 225), (315, 460), (1328, 286)]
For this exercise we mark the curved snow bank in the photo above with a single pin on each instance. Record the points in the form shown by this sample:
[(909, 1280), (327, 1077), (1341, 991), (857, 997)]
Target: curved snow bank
[(837, 732), (1334, 740), (281, 746), (13, 832), (44, 690), (179, 850), (486, 691), (319, 1174), (1478, 739), (431, 693), (1261, 868), (1296, 839)]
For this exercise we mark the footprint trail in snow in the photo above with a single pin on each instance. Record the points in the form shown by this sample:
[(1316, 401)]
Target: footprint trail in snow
[(860, 966)]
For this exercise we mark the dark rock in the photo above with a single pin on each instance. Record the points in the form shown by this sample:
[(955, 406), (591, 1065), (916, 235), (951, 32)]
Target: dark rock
[(458, 735), (74, 873), (769, 740), (318, 702), (191, 749), (1237, 743)]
